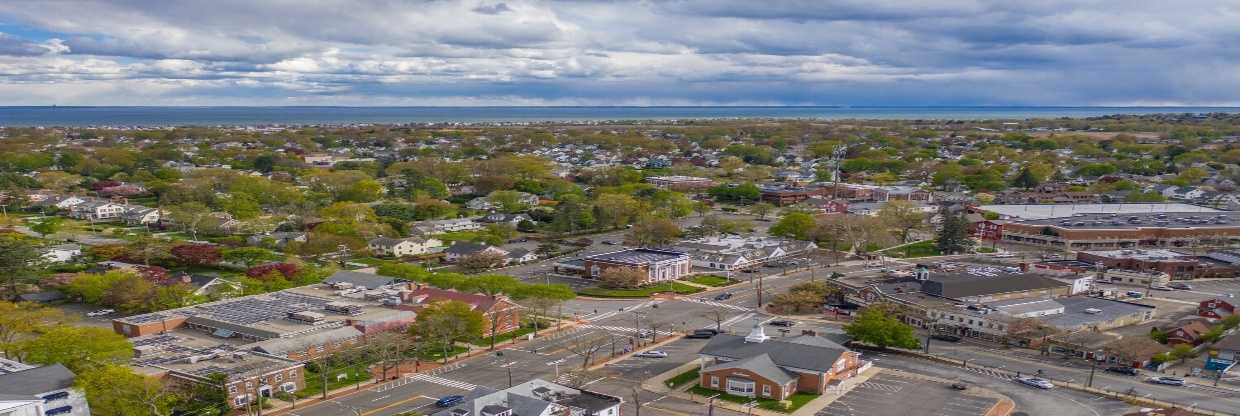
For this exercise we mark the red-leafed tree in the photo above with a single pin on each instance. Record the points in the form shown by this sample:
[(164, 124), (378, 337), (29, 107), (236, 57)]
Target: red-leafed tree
[(196, 254), (98, 186), (264, 270)]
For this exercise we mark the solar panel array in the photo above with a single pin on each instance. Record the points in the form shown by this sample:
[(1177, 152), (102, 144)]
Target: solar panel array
[(255, 309)]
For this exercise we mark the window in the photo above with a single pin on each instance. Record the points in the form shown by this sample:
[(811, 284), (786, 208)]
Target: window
[(240, 400), (63, 410), (740, 386), (766, 390), (714, 381), (279, 377), (232, 389)]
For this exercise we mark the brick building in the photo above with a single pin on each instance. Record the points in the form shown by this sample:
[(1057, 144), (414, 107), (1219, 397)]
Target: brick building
[(774, 368), (1176, 264), (680, 183), (1099, 231), (1215, 309), (658, 265)]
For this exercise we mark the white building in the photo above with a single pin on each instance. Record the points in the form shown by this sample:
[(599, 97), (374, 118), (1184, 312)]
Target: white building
[(401, 247), (63, 253), (98, 210), (51, 386), (445, 226), (732, 252)]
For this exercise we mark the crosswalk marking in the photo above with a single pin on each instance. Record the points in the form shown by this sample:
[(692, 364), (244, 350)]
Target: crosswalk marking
[(883, 387), (992, 373), (720, 305), (624, 329), (443, 381)]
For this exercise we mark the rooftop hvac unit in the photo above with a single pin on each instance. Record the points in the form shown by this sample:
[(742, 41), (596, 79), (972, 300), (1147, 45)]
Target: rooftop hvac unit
[(342, 285), (306, 316)]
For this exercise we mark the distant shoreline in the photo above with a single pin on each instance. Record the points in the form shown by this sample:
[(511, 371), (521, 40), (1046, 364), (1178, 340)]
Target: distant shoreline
[(251, 116)]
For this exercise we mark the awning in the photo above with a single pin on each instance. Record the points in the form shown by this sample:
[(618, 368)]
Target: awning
[(223, 333)]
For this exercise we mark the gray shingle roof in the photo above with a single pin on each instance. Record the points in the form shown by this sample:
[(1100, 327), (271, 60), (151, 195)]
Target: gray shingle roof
[(281, 346), (762, 365), (797, 352), (367, 280), (37, 380)]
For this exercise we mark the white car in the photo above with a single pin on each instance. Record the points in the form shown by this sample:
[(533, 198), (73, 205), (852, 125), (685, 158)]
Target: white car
[(1005, 255), (652, 354), (101, 312), (1170, 381), (1040, 383)]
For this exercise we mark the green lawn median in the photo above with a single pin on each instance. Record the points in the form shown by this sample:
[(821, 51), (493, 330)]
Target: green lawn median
[(639, 292), (711, 280)]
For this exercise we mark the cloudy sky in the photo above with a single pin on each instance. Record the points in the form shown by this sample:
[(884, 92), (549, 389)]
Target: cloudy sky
[(720, 52)]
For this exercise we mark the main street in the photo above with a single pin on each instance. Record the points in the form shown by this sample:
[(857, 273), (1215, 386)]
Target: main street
[(607, 323)]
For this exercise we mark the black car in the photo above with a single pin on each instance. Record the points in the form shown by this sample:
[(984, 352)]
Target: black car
[(960, 385), (724, 296), (702, 334), (945, 337), (1128, 371), (782, 322)]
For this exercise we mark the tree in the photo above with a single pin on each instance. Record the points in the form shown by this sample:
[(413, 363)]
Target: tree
[(196, 254), (585, 347), (77, 347), (47, 226), (250, 256), (742, 193), (547, 248), (877, 326), (953, 237), (653, 232), (794, 224), (542, 297), (508, 201), (21, 262), (190, 217), (449, 322), (1025, 179), (573, 214), (22, 321), (1182, 352), (702, 208), (615, 210), (115, 390), (761, 209), (903, 216), (622, 277), (483, 260)]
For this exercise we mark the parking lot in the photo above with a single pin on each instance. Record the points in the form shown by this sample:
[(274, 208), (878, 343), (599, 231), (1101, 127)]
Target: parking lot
[(892, 395), (638, 369)]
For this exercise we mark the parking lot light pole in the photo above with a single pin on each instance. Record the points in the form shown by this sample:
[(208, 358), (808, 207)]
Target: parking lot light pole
[(1093, 364)]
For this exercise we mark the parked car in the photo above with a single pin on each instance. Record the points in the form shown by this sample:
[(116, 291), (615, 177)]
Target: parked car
[(609, 242), (101, 312), (1040, 383), (652, 354), (645, 333), (1135, 294), (782, 322), (724, 296), (1170, 381), (702, 334), (946, 337), (1128, 371), (960, 385), (449, 401), (1162, 288), (1005, 255), (1181, 286)]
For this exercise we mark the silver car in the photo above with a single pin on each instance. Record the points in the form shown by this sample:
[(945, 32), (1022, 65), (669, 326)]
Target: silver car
[(1040, 383)]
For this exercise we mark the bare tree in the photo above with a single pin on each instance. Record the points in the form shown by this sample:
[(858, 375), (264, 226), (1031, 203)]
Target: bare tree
[(585, 347), (388, 348), (716, 314)]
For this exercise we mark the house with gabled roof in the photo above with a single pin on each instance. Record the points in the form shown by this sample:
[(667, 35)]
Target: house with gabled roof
[(774, 368)]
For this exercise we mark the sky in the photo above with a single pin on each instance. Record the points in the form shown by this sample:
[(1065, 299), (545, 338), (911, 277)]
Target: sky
[(580, 52)]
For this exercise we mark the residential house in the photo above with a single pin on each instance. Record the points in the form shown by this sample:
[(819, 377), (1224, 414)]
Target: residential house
[(97, 210), (278, 239), (485, 203), (401, 247), (759, 366), (140, 215), (506, 219), (464, 249), (520, 255), (502, 315), (51, 385), (1188, 332), (445, 226), (1225, 352), (1215, 309)]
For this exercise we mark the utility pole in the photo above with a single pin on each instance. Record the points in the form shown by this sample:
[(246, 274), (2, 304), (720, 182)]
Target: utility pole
[(760, 292), (1093, 364), (928, 343)]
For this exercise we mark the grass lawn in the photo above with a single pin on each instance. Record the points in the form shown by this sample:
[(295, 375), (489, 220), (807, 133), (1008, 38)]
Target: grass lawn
[(640, 292), (437, 353), (314, 380), (682, 379), (711, 280), (794, 402), (918, 249), (373, 262)]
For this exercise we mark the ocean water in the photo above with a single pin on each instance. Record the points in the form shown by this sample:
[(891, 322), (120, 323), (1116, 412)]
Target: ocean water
[(259, 116)]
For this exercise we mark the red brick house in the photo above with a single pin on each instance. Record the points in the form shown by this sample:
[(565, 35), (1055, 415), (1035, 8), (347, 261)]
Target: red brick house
[(762, 367), (1215, 308), (1188, 333), (498, 311)]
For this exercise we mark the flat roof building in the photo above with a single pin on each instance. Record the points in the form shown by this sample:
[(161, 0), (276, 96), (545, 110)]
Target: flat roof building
[(1099, 231), (1043, 211)]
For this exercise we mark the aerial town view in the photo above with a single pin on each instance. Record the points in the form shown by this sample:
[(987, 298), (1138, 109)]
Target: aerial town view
[(547, 208)]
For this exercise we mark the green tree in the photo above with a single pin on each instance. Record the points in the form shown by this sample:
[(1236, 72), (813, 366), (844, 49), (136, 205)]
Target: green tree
[(78, 347), (1182, 352), (22, 321), (250, 256), (508, 201), (653, 232), (953, 236), (115, 390), (446, 323), (903, 216), (794, 224), (542, 297), (877, 325), (1025, 179), (47, 226), (615, 210), (21, 263), (761, 209)]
